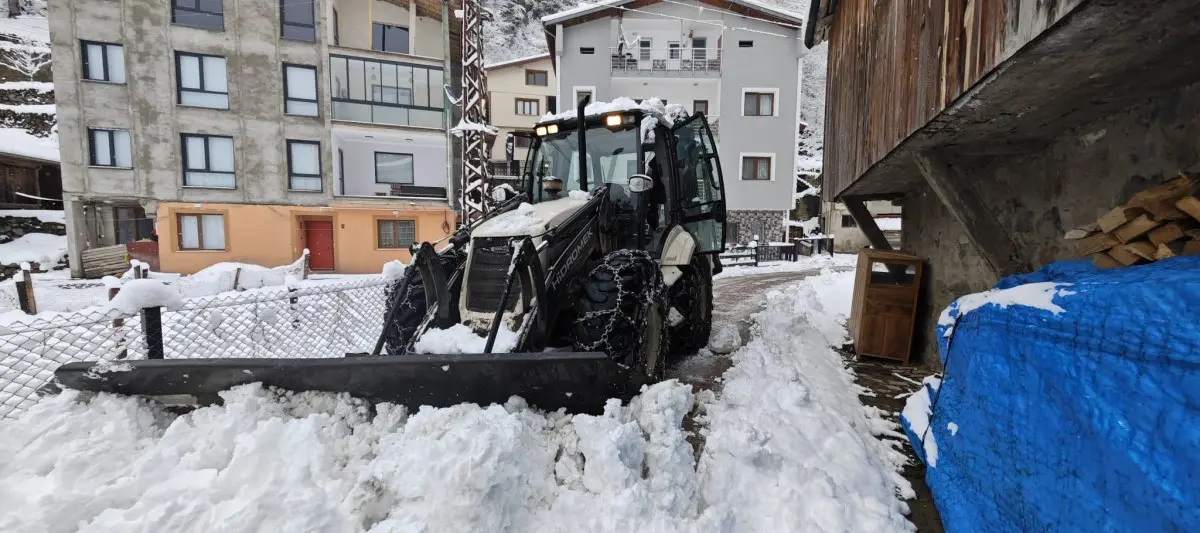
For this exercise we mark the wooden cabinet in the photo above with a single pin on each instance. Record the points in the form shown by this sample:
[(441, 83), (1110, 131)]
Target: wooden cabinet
[(883, 313)]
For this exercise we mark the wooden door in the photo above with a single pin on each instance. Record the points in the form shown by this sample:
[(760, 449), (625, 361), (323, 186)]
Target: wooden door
[(319, 235)]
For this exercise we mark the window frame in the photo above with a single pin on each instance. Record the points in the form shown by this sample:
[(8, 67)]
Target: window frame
[(645, 45), (700, 53), (770, 162), (537, 106), (283, 23), (746, 44), (200, 231), (316, 90), (706, 106), (413, 179), (104, 66), (395, 222), (758, 93), (383, 37), (674, 50), (345, 70), (535, 73), (587, 50), (291, 172), (175, 7), (180, 89), (849, 222), (112, 148), (183, 137), (575, 90)]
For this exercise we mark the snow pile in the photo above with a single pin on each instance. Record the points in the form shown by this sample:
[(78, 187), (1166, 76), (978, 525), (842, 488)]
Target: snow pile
[(725, 338), (809, 264), (42, 248), (889, 223), (394, 270), (579, 195), (465, 125), (786, 447), (1036, 295), (138, 294), (918, 410), (462, 339)]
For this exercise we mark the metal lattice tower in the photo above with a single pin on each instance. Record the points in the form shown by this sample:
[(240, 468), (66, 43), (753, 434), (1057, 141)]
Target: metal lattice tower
[(475, 186)]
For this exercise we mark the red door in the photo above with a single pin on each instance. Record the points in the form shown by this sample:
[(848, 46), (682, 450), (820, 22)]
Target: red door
[(319, 234)]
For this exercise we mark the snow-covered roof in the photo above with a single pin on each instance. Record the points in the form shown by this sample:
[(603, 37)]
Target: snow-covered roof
[(20, 143), (651, 106), (517, 61), (588, 8), (35, 29)]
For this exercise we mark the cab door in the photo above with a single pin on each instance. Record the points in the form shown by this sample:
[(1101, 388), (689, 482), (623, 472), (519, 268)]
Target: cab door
[(701, 191)]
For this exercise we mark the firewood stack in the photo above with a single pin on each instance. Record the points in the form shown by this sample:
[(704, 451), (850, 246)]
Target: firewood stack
[(1157, 223)]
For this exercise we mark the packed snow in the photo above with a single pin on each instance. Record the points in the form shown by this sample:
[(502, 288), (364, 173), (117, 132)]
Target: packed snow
[(787, 446), (43, 248), (461, 339), (918, 411), (803, 264)]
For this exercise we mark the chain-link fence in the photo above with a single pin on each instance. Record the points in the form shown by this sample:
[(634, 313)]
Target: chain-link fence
[(327, 319)]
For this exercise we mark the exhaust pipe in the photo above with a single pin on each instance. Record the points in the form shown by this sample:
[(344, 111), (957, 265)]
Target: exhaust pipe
[(583, 102)]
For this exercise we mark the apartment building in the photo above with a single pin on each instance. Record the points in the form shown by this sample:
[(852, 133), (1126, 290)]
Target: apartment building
[(250, 130), (520, 91), (736, 61)]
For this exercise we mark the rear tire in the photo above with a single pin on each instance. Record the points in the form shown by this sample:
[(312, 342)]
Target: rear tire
[(691, 296), (623, 313)]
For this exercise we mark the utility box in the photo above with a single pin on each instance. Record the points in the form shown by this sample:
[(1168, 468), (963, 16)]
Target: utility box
[(883, 313)]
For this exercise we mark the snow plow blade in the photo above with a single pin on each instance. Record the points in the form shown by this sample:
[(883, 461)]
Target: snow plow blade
[(580, 382)]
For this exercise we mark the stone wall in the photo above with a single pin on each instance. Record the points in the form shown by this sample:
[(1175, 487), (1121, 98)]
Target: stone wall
[(12, 228), (1037, 197), (768, 225)]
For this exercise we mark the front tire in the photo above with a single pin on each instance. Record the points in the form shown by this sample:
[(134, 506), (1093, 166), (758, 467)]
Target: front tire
[(691, 297), (413, 307), (623, 313)]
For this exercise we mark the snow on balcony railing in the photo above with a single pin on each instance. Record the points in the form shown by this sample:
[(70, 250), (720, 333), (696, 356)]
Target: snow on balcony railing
[(665, 61)]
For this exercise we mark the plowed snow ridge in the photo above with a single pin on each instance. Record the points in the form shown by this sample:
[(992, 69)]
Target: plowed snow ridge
[(788, 448)]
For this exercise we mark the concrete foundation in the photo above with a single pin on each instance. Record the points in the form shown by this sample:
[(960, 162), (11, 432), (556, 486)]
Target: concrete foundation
[(1037, 197)]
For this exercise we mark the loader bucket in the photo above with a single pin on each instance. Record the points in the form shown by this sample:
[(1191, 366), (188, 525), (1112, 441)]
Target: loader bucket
[(580, 382)]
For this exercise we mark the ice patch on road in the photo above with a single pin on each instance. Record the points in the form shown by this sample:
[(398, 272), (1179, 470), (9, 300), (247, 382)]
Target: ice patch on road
[(788, 448)]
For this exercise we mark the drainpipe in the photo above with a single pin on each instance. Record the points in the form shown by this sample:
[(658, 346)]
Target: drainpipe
[(447, 114)]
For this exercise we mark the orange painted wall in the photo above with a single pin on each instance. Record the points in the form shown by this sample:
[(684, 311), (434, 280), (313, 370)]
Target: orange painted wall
[(272, 235)]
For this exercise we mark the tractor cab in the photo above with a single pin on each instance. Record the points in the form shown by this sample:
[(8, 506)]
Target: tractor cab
[(658, 173)]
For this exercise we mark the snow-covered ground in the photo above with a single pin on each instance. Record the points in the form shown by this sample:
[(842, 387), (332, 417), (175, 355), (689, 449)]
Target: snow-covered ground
[(787, 447), (812, 262), (43, 248)]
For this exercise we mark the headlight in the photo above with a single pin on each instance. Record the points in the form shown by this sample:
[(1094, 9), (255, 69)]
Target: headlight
[(541, 130), (553, 128), (613, 120)]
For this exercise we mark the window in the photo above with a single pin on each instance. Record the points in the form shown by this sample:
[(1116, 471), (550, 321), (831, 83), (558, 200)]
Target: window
[(304, 165), (700, 106), (202, 81), (745, 44), (700, 48), (587, 50), (756, 168), (132, 224), (849, 222), (103, 62), (397, 233), (523, 142), (551, 104), (198, 13), (673, 50), (536, 77), (644, 49), (759, 104), (110, 148), (300, 90), (298, 20), (201, 232), (388, 38), (385, 92), (393, 168), (527, 107), (580, 94), (208, 161)]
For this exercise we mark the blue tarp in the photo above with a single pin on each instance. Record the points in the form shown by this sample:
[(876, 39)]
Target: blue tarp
[(1083, 420)]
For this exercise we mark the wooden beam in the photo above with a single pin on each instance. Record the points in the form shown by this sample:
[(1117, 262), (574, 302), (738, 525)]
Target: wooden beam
[(982, 228), (858, 210)]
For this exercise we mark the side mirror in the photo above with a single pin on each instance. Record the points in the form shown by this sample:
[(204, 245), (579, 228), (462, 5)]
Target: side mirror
[(640, 183)]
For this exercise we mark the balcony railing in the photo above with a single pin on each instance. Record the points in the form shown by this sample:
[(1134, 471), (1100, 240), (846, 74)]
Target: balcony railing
[(665, 61), (386, 92)]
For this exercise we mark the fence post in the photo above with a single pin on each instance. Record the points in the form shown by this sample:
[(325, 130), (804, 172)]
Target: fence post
[(152, 323), (118, 323), (25, 297)]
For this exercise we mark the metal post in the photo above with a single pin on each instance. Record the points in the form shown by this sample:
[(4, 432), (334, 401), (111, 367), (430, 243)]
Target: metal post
[(475, 186), (25, 297), (118, 323), (152, 325)]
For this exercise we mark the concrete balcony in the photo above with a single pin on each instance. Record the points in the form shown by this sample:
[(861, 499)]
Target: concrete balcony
[(674, 62)]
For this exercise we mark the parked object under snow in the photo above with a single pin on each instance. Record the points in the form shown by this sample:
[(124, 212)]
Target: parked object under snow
[(1068, 403)]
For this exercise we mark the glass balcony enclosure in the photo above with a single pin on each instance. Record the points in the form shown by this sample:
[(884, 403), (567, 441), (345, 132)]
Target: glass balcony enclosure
[(386, 92)]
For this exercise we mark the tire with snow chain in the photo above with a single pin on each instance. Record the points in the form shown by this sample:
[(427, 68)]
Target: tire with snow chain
[(412, 308), (623, 313), (691, 297)]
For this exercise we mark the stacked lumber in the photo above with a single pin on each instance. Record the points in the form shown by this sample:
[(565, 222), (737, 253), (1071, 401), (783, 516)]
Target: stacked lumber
[(1158, 223)]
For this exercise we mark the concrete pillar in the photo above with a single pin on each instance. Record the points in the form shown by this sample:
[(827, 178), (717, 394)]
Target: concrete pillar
[(76, 234)]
